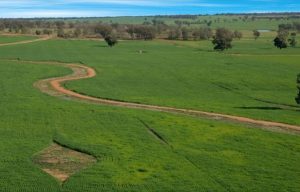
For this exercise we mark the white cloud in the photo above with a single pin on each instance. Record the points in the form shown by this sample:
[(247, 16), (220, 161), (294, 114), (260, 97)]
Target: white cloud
[(87, 8), (130, 2), (18, 3), (214, 5), (153, 3), (55, 13)]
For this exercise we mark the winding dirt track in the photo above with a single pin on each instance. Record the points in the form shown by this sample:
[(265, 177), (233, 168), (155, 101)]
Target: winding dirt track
[(53, 87)]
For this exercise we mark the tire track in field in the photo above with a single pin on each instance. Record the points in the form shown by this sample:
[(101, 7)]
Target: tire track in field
[(26, 41), (54, 87)]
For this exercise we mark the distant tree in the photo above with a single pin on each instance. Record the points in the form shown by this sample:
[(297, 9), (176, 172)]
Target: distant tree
[(196, 34), (103, 30), (285, 26), (292, 40), (145, 32), (38, 32), (60, 32), (47, 32), (2, 26), (161, 27), (174, 34), (256, 34), (157, 22), (25, 30), (222, 39), (59, 24), (71, 25), (77, 32), (237, 34), (178, 23), (298, 86), (111, 39), (131, 31), (86, 31), (68, 34), (147, 23), (281, 40), (209, 23), (202, 33), (185, 34), (296, 26)]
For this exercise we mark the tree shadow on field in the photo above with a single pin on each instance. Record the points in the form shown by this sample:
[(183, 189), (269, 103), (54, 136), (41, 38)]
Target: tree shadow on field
[(100, 46), (261, 108), (266, 48), (204, 50)]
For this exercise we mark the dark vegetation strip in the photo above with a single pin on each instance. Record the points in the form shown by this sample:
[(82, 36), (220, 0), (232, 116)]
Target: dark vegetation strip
[(285, 106), (156, 134), (177, 153), (60, 140)]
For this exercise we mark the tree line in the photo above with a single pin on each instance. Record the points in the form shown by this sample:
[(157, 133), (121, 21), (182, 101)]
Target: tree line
[(75, 29), (149, 30)]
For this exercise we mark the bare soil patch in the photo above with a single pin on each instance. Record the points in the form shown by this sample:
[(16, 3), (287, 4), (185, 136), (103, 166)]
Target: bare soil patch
[(61, 162)]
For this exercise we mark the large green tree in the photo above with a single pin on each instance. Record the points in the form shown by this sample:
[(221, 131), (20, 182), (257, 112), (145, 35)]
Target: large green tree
[(111, 39), (222, 39), (256, 34), (281, 40)]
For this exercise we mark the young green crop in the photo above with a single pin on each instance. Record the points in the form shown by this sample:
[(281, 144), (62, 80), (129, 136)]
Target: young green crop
[(200, 155), (254, 79)]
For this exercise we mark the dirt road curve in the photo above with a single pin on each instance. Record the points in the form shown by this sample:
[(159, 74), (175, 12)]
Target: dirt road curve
[(53, 86), (27, 41)]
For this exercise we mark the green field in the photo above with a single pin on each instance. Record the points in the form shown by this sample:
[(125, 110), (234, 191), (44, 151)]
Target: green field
[(254, 79), (12, 39), (246, 81)]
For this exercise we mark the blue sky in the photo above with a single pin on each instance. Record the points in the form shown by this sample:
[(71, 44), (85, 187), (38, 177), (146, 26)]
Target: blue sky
[(92, 8)]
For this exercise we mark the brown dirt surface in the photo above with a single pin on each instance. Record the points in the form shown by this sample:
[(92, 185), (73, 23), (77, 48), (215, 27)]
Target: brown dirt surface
[(61, 176), (61, 162)]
